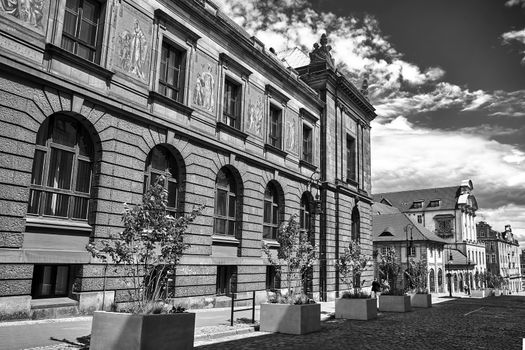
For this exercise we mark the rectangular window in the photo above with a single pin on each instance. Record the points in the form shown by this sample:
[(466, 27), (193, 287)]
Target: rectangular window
[(50, 281), (273, 280), (433, 204), (275, 134), (411, 251), (350, 158), (420, 219), (417, 205), (232, 104), (172, 67), (307, 144), (82, 28), (226, 279)]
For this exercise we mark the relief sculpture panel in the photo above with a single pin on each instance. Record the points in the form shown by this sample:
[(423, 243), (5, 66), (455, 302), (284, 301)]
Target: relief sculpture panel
[(132, 42), (30, 13), (290, 132), (204, 84), (255, 112)]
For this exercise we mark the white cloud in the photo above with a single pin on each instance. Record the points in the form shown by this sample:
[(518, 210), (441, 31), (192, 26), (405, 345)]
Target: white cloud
[(505, 215), (515, 36), (510, 3)]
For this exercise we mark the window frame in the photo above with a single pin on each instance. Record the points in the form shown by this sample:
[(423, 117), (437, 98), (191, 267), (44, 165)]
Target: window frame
[(38, 276), (232, 120), (226, 280), (273, 203), (162, 82), (351, 158), (44, 188), (275, 126), (307, 153), (96, 47), (229, 195), (149, 171)]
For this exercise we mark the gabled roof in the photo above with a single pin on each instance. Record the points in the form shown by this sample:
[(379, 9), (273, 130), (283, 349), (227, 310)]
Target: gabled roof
[(395, 224), (404, 199), (380, 208)]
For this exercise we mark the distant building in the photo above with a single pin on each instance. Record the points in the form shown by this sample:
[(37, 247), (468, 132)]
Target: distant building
[(449, 213), (393, 229), (502, 254)]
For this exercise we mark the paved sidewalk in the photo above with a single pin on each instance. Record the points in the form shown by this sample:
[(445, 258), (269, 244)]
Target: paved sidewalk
[(67, 333)]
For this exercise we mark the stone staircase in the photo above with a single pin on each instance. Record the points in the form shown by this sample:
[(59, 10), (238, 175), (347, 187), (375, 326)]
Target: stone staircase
[(53, 308)]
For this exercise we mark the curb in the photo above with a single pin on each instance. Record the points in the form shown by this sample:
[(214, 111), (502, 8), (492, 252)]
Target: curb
[(228, 333)]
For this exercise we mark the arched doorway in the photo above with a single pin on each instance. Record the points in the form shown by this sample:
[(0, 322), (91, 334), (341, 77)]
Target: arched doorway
[(432, 281)]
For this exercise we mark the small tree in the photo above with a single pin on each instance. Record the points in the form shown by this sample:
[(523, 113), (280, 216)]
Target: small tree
[(389, 270), (148, 249), (418, 273), (350, 265), (296, 256)]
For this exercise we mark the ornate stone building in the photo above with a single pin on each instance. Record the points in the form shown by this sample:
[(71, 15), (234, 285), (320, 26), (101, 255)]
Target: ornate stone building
[(449, 212), (98, 98), (502, 255)]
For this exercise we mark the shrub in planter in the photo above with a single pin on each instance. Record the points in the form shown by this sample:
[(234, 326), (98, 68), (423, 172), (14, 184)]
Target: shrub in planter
[(417, 273), (146, 253), (354, 303), (293, 312), (393, 297)]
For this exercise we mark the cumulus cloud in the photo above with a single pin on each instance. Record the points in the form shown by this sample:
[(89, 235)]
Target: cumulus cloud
[(511, 3), (504, 215), (405, 156), (515, 36)]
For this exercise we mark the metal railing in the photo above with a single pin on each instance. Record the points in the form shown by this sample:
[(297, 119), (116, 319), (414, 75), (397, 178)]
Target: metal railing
[(234, 300)]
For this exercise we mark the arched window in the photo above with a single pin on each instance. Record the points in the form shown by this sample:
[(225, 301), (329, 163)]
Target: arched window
[(305, 220), (62, 170), (226, 203), (432, 281), (272, 212), (161, 162), (356, 225)]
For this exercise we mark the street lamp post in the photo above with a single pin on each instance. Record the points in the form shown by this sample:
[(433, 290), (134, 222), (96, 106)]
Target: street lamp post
[(449, 275), (409, 248)]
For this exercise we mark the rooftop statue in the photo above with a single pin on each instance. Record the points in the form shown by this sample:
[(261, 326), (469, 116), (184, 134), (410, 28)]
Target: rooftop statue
[(321, 54)]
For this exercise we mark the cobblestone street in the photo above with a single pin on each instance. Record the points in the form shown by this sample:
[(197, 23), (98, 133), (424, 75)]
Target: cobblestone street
[(490, 323)]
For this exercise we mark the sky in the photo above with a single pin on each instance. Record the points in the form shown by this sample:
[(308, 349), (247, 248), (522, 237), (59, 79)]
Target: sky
[(447, 79)]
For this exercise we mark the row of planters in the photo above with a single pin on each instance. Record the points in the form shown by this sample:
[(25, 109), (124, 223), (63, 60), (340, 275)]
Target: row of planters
[(149, 248)]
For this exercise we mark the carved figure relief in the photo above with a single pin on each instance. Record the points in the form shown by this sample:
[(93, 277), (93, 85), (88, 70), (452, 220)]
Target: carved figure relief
[(204, 89), (132, 49), (32, 13), (290, 134), (255, 117)]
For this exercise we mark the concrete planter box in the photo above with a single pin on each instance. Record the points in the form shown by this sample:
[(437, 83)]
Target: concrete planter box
[(290, 319), (394, 303), (356, 309), (120, 331), (421, 300), (480, 293)]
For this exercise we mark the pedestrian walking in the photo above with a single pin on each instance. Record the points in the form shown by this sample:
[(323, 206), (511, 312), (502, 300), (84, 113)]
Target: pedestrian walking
[(376, 287)]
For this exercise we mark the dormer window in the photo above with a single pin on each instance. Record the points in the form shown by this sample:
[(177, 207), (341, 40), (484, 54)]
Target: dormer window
[(434, 203), (417, 205)]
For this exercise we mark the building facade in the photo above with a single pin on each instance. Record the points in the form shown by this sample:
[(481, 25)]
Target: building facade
[(448, 212), (503, 255), (412, 242), (99, 98)]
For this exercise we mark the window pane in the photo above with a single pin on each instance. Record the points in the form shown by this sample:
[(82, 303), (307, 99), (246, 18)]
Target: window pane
[(85, 146), (34, 201), (64, 132), (68, 44), (231, 228), (56, 204), (80, 208), (70, 23), (275, 217), (274, 232), (90, 10), (85, 52), (83, 176), (38, 167), (61, 280), (220, 226), (267, 211), (72, 4), (172, 194), (222, 179), (267, 232), (158, 159), (60, 169), (231, 208), (220, 206), (88, 32), (46, 285)]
